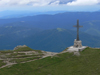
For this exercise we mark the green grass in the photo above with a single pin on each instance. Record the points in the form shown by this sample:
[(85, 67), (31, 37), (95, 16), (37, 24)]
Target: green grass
[(22, 56), (24, 49), (24, 60), (62, 64), (25, 56), (1, 63), (15, 55), (7, 51)]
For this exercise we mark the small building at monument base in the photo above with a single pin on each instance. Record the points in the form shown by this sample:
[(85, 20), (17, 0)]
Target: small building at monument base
[(74, 49), (77, 46)]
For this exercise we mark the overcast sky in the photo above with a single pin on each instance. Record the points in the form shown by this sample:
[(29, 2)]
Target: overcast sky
[(50, 5)]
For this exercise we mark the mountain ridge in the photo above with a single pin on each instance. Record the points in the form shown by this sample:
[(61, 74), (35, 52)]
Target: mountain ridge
[(54, 40), (61, 20)]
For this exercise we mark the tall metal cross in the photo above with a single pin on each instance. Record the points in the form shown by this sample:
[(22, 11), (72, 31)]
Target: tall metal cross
[(78, 26)]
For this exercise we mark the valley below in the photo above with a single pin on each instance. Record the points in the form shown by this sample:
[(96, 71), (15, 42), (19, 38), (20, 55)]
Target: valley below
[(50, 32), (53, 40)]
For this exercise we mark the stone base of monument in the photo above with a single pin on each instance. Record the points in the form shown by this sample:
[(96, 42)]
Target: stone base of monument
[(73, 49), (77, 43), (77, 46)]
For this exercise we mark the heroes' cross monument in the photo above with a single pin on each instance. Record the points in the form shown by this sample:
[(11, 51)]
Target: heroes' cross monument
[(77, 43)]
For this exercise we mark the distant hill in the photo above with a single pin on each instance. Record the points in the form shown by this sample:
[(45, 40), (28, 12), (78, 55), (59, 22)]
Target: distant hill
[(89, 20), (9, 35), (57, 40), (54, 40), (23, 13), (91, 27), (62, 18)]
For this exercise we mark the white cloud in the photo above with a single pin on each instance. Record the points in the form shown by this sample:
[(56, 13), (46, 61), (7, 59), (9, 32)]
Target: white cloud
[(6, 3), (26, 2), (84, 2), (55, 3)]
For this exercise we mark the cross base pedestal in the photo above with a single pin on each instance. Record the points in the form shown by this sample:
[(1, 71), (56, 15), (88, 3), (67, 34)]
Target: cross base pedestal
[(77, 43)]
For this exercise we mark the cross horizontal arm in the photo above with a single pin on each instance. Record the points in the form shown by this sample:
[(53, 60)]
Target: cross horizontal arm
[(80, 26), (75, 26)]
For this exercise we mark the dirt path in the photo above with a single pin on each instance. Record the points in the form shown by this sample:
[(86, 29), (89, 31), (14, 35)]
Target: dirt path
[(46, 54)]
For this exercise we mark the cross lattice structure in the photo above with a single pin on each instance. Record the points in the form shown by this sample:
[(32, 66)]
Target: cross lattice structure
[(78, 26)]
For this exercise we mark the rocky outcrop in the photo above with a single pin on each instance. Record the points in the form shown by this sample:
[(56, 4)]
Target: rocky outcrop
[(19, 47)]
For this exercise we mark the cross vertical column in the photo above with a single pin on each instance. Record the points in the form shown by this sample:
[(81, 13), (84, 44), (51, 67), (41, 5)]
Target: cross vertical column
[(77, 42), (77, 26), (77, 30)]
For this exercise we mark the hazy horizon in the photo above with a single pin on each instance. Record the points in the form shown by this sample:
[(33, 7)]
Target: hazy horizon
[(50, 5)]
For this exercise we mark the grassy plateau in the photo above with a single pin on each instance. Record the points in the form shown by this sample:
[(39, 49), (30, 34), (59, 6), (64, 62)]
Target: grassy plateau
[(88, 63)]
